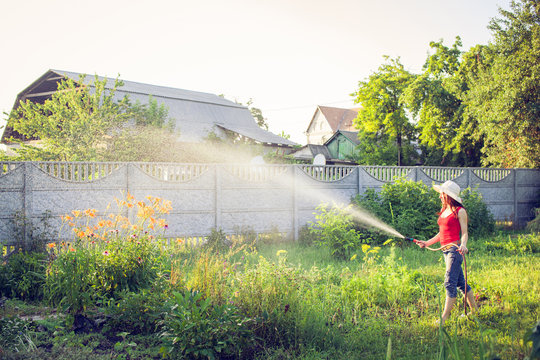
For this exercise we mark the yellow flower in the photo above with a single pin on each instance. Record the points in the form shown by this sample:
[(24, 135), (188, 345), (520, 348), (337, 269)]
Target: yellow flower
[(76, 213), (281, 252), (353, 257)]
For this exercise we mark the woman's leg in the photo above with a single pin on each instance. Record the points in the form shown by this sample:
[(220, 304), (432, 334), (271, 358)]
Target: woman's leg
[(448, 305), (471, 301), (453, 261)]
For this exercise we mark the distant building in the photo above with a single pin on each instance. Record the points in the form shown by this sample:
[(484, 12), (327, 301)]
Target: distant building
[(326, 121), (342, 145), (196, 114), (340, 149)]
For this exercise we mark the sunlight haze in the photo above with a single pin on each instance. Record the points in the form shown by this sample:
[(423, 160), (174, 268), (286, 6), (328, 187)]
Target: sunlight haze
[(288, 56)]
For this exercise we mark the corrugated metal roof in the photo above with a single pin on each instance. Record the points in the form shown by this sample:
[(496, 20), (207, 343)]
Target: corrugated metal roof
[(196, 114)]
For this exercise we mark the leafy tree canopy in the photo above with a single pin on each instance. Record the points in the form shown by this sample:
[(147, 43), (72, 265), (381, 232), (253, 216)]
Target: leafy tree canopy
[(382, 117), (89, 123)]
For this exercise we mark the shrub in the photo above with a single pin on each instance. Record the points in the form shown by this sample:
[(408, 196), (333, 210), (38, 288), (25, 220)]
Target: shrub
[(23, 276), (108, 255), (333, 228), (481, 220), (136, 312), (534, 224), (195, 328), (15, 335), (412, 207)]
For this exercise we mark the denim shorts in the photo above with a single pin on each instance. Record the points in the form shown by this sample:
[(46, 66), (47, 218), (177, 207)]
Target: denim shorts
[(454, 278)]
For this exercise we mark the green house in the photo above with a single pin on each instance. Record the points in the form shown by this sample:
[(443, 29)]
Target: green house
[(342, 145)]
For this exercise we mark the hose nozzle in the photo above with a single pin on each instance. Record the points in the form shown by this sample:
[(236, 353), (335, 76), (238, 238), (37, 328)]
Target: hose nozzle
[(411, 239)]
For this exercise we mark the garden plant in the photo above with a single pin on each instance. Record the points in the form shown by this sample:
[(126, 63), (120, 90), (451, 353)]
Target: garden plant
[(117, 287)]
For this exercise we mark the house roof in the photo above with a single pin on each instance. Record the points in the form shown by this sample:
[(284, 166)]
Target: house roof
[(351, 135), (309, 151), (195, 113), (338, 118)]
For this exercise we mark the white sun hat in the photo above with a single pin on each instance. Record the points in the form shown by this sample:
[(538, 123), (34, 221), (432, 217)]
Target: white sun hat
[(451, 189)]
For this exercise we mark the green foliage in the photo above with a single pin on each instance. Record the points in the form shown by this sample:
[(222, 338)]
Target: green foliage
[(382, 116), (107, 258), (504, 92), (409, 207), (534, 224), (86, 122), (481, 220), (434, 98), (195, 328), (15, 335), (520, 244), (136, 312), (334, 229), (23, 276)]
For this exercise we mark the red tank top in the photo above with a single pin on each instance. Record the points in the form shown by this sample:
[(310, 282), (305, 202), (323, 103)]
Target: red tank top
[(449, 228)]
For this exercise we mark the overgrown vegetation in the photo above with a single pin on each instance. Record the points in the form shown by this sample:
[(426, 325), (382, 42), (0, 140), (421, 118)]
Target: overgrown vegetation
[(117, 295)]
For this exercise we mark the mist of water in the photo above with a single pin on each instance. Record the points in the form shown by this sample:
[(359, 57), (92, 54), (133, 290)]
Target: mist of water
[(360, 216)]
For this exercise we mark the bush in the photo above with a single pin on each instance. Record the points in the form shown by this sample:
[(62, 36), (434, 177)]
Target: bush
[(534, 225), (105, 259), (334, 228), (481, 220), (23, 276), (412, 207), (195, 328), (136, 312)]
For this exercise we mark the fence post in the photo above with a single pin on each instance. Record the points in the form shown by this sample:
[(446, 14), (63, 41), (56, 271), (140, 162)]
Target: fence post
[(516, 217), (295, 202), (27, 202), (218, 195)]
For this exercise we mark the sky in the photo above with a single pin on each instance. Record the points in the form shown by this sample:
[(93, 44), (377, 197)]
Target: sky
[(288, 56)]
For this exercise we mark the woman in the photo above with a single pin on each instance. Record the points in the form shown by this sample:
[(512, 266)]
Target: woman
[(452, 231)]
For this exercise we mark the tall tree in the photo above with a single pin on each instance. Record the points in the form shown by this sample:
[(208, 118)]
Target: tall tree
[(382, 117), (505, 95), (434, 98)]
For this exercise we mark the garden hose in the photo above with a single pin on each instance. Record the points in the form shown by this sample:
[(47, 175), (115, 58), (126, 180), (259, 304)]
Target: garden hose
[(464, 266)]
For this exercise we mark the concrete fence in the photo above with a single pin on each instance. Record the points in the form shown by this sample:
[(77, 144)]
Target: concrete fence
[(264, 198)]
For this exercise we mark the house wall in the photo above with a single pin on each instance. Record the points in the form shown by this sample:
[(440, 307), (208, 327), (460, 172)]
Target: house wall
[(265, 198), (319, 131), (340, 147)]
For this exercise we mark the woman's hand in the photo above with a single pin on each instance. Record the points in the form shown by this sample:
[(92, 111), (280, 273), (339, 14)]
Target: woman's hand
[(463, 249), (420, 243)]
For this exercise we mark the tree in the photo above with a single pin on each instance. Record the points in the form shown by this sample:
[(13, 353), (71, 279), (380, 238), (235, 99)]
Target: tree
[(505, 94), (257, 114), (87, 123), (434, 98), (382, 117)]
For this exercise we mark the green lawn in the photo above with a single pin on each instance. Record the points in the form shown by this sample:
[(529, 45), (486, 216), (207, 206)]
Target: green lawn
[(297, 302)]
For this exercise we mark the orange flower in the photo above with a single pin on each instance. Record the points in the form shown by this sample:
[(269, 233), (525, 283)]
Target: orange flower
[(51, 245), (76, 213), (71, 249), (130, 197), (71, 224), (81, 234), (130, 205), (179, 240)]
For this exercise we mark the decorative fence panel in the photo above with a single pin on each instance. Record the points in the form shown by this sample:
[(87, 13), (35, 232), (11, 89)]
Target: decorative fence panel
[(263, 198)]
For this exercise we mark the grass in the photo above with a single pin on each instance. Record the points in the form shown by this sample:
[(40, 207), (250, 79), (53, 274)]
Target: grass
[(306, 305)]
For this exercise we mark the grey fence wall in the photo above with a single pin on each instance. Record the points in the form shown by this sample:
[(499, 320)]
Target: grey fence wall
[(265, 198)]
